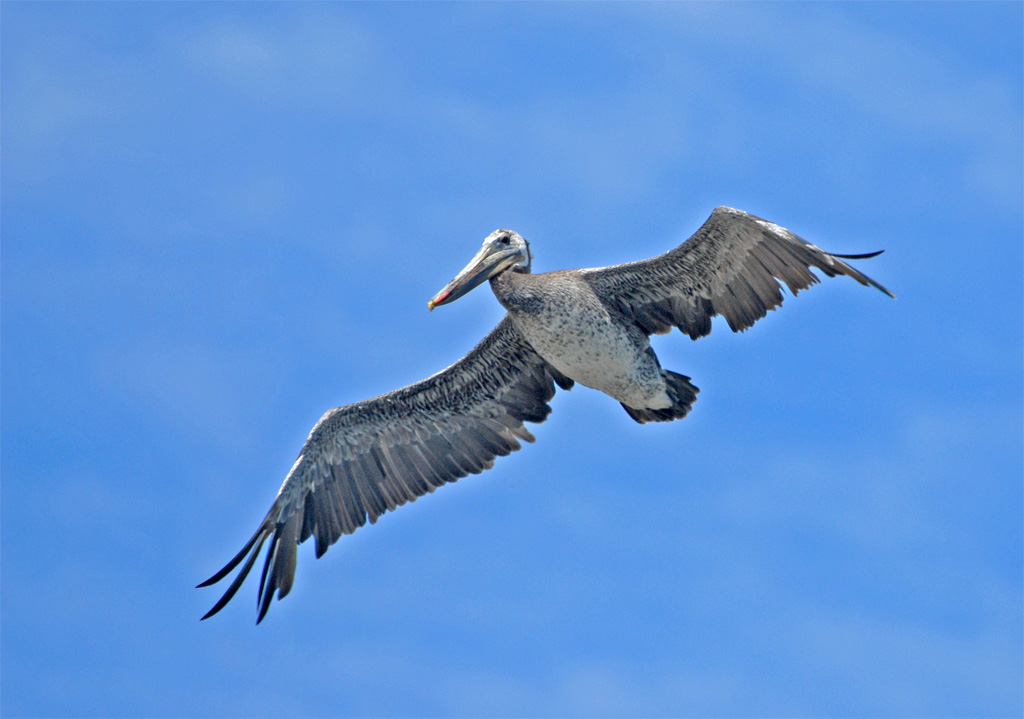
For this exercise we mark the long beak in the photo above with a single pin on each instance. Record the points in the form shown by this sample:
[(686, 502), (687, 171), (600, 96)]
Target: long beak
[(485, 264)]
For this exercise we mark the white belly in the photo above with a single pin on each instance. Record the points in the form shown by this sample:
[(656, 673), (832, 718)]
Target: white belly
[(597, 352)]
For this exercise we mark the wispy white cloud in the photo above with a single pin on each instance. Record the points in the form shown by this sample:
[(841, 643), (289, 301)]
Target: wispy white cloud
[(313, 58), (878, 75), (193, 388)]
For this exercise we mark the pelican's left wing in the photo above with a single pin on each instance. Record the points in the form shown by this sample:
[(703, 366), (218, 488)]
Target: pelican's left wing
[(731, 266), (370, 457)]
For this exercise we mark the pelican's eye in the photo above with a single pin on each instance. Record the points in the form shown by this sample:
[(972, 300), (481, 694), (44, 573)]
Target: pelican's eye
[(503, 240)]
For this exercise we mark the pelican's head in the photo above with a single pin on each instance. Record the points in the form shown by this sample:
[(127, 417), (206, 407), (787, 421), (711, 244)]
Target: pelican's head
[(501, 250)]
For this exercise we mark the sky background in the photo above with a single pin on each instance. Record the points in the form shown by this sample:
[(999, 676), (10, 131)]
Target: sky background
[(219, 220)]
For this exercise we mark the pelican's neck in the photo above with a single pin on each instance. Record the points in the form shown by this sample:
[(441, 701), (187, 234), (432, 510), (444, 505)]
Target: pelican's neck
[(511, 287)]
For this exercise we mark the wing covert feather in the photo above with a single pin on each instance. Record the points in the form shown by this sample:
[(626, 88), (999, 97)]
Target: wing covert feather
[(368, 458), (732, 266)]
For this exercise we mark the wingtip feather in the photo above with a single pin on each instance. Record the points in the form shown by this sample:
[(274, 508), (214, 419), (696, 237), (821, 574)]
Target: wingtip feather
[(226, 569), (863, 256), (240, 577), (862, 278)]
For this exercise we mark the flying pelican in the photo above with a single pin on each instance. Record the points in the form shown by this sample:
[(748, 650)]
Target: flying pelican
[(588, 326)]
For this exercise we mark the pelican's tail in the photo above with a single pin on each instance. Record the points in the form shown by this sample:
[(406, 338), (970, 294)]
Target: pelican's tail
[(680, 391)]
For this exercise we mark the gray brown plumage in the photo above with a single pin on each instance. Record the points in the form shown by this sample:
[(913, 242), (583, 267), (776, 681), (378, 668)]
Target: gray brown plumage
[(588, 326)]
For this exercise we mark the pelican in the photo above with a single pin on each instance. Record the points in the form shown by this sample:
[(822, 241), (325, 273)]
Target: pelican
[(589, 326)]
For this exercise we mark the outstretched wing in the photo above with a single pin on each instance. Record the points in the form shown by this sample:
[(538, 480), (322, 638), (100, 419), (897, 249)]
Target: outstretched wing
[(731, 266), (373, 456)]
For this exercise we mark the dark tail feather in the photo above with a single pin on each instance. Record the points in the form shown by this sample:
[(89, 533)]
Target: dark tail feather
[(680, 391)]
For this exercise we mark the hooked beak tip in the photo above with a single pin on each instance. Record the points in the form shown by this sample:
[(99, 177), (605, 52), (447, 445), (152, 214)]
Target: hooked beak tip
[(438, 299)]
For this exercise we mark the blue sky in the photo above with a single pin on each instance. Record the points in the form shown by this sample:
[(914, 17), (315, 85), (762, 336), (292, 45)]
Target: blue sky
[(219, 220)]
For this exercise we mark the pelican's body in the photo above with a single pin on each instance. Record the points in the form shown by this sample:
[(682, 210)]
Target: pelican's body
[(587, 326), (564, 320)]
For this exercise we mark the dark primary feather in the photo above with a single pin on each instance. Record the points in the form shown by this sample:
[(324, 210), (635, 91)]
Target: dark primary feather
[(370, 457), (731, 266)]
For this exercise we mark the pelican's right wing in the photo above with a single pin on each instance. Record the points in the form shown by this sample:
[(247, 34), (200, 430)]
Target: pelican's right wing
[(731, 266), (373, 456)]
